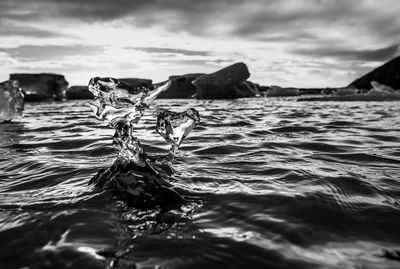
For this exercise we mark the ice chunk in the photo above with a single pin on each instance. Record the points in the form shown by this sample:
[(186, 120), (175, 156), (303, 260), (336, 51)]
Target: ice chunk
[(135, 176), (116, 101), (175, 127), (11, 100)]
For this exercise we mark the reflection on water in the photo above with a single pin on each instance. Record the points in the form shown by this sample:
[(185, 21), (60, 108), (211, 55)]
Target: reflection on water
[(269, 184)]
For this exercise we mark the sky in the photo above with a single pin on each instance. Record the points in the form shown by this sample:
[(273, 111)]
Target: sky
[(292, 43)]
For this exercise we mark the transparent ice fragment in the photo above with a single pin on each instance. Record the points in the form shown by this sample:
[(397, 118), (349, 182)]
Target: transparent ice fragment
[(136, 176), (11, 100), (174, 127)]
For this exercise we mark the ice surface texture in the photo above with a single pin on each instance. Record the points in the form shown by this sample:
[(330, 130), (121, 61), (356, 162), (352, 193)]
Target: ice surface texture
[(174, 127), (135, 176), (11, 100)]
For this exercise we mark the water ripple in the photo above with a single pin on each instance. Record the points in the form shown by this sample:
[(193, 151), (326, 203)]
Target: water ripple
[(269, 184)]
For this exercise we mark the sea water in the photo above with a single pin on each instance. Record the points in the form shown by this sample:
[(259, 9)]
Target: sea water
[(269, 183)]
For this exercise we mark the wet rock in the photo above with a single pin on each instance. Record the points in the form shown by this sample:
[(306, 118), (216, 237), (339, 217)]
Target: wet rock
[(181, 87), (78, 92), (276, 91), (345, 91), (314, 91), (11, 100), (388, 74), (41, 87), (264, 89), (247, 89), (224, 84)]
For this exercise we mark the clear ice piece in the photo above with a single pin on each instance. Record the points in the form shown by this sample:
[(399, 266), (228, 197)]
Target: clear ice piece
[(174, 127), (136, 176), (122, 106), (11, 100), (116, 101)]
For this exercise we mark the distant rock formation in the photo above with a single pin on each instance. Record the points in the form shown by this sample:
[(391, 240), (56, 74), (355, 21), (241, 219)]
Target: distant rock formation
[(181, 87), (247, 89), (78, 92), (277, 91), (40, 87), (227, 83), (345, 91), (380, 88), (388, 74), (11, 100), (137, 82)]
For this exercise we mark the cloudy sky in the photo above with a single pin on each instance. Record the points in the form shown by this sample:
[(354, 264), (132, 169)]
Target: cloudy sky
[(306, 43)]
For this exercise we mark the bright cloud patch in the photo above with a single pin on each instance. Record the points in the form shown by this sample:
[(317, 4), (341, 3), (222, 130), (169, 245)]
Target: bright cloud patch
[(291, 43)]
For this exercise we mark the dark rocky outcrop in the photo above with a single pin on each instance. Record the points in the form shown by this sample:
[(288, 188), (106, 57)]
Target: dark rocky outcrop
[(312, 91), (40, 87), (247, 89), (263, 89), (227, 83), (11, 100), (137, 82), (388, 74), (181, 87), (78, 92), (277, 91)]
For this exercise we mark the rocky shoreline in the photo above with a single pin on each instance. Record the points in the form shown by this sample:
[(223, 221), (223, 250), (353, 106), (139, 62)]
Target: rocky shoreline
[(230, 82)]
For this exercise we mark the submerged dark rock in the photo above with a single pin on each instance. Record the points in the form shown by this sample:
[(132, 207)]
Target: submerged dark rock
[(11, 100), (78, 92), (388, 74), (41, 87), (227, 83), (181, 87)]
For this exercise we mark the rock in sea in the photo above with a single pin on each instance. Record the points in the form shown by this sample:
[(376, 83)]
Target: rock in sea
[(277, 91), (226, 83), (11, 100), (181, 87), (137, 82), (41, 87), (387, 74), (78, 92)]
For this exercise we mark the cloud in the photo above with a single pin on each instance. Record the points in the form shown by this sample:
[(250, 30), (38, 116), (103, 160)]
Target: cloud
[(51, 52), (283, 41), (234, 17), (382, 54), (155, 50), (10, 29)]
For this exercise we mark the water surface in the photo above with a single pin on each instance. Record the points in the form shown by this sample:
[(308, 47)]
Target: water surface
[(270, 183)]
